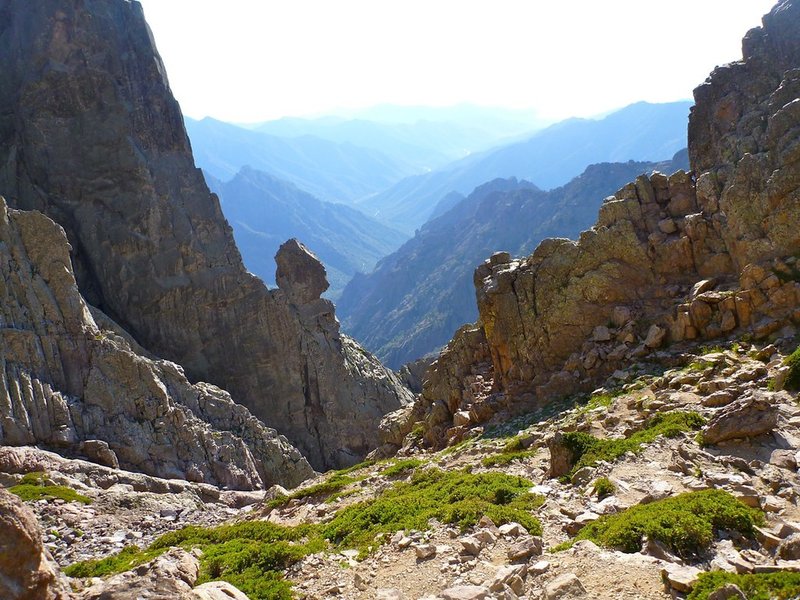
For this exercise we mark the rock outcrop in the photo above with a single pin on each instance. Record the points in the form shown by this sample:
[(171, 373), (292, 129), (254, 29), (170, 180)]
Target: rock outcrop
[(71, 383), (91, 135), (689, 256), (27, 572), (417, 297)]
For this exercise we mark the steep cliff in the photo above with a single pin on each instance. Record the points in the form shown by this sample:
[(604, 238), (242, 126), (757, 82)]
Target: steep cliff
[(70, 381), (692, 256), (91, 135)]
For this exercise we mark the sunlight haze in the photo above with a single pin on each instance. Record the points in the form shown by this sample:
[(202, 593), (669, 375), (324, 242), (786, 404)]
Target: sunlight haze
[(247, 61)]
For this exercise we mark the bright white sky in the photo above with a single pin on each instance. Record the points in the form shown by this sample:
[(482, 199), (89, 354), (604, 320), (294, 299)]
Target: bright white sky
[(253, 60)]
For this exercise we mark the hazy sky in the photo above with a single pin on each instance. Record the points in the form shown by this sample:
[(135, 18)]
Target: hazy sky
[(253, 60)]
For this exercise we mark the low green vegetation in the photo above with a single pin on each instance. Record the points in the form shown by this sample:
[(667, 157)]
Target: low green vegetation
[(456, 497), (252, 555), (603, 487), (793, 376), (401, 467), (588, 450), (685, 523), (513, 450), (504, 458), (330, 487), (36, 486), (248, 555), (759, 586)]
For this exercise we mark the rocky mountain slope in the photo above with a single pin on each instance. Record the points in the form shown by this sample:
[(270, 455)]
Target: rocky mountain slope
[(677, 477), (92, 136), (419, 295), (264, 212), (334, 172), (73, 380), (550, 158), (692, 256)]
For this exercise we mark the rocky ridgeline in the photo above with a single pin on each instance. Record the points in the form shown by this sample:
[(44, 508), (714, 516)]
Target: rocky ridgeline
[(686, 257), (72, 382), (91, 135)]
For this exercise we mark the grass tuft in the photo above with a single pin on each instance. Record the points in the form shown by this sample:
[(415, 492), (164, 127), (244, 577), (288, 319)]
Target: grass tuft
[(401, 467), (36, 486), (759, 586), (603, 487), (588, 450), (685, 523), (793, 376)]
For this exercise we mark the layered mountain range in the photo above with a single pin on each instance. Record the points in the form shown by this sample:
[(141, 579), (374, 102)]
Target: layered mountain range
[(550, 158), (92, 137)]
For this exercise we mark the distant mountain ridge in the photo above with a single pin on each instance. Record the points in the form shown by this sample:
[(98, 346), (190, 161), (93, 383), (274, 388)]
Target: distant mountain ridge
[(335, 172), (265, 211), (418, 296), (549, 158)]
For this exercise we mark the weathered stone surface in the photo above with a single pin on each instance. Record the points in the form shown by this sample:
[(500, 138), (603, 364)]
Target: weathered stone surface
[(70, 383), (27, 572), (171, 575), (565, 587), (217, 590), (92, 136), (747, 417), (299, 273), (465, 592)]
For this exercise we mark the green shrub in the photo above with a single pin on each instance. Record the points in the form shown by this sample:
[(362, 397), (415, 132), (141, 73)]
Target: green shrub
[(401, 467), (759, 586), (588, 450), (327, 488), (248, 555), (124, 560), (604, 487), (793, 376), (37, 486), (505, 458), (456, 497), (513, 449), (684, 523)]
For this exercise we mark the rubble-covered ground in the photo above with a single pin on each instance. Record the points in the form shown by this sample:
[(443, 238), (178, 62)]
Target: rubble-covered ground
[(738, 432)]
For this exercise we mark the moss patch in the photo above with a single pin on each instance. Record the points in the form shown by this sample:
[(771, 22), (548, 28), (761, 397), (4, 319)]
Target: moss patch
[(401, 467), (248, 555), (685, 523), (456, 497), (36, 486), (588, 450), (327, 489), (604, 487), (760, 586), (793, 376)]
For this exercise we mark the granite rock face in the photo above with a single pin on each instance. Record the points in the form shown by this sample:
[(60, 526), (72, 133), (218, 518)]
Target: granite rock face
[(91, 135), (69, 382), (689, 256), (27, 572)]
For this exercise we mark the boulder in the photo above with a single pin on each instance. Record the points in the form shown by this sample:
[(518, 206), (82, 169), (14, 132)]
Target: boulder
[(564, 587), (27, 571), (744, 418)]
